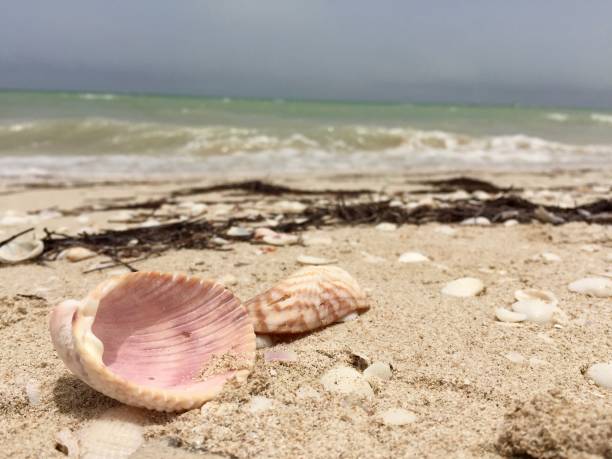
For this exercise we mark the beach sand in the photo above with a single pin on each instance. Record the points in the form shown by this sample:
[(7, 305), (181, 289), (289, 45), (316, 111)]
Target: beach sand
[(454, 366)]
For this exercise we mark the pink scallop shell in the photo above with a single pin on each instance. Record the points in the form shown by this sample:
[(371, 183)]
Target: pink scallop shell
[(147, 339)]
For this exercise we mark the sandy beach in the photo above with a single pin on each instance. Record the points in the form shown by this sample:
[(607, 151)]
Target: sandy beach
[(475, 386)]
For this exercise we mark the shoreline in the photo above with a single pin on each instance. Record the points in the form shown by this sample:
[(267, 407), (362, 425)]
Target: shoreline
[(52, 181)]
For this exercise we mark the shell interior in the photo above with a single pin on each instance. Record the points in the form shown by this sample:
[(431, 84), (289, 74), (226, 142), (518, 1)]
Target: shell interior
[(149, 339), (20, 249)]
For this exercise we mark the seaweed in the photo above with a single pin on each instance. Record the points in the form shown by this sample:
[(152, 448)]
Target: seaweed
[(462, 183), (201, 233)]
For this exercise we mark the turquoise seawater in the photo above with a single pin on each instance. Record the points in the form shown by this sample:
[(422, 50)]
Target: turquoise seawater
[(53, 133)]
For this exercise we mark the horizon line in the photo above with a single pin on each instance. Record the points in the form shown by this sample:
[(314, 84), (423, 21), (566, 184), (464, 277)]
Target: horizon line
[(299, 100)]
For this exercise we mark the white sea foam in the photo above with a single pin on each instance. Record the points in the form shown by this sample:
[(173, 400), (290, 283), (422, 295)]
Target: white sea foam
[(110, 147), (601, 118), (560, 117), (90, 96)]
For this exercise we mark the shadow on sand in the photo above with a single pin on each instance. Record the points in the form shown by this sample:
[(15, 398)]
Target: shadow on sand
[(72, 396)]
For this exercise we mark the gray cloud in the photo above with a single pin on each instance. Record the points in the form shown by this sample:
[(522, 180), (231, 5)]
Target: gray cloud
[(480, 51)]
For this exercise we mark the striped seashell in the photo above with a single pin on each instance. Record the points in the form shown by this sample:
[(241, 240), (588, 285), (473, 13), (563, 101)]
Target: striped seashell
[(159, 341), (311, 298)]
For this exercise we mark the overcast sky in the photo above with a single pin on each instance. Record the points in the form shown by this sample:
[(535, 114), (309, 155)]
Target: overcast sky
[(547, 52)]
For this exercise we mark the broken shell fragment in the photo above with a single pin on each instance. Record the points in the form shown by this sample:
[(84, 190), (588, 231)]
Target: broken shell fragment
[(159, 341), (311, 298), (21, 249)]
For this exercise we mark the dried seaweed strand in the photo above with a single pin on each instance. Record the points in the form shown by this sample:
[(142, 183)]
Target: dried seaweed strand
[(15, 236)]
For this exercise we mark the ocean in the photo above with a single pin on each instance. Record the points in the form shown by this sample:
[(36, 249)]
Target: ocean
[(86, 135)]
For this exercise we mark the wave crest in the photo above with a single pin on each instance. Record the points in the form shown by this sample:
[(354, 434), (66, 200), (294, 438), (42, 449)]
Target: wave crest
[(113, 147)]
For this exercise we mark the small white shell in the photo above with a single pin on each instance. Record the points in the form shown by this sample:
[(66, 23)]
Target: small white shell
[(267, 236), (600, 287), (535, 294), (601, 373), (378, 370), (412, 257), (550, 257), (463, 287), (239, 231), (346, 380), (21, 249), (505, 315), (308, 260), (478, 221), (75, 254), (535, 310), (290, 206), (397, 417), (280, 240), (386, 226)]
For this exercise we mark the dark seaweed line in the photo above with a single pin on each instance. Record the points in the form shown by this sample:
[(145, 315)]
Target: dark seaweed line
[(199, 233)]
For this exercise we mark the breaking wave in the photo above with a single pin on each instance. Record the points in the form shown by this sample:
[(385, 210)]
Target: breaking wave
[(113, 147)]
